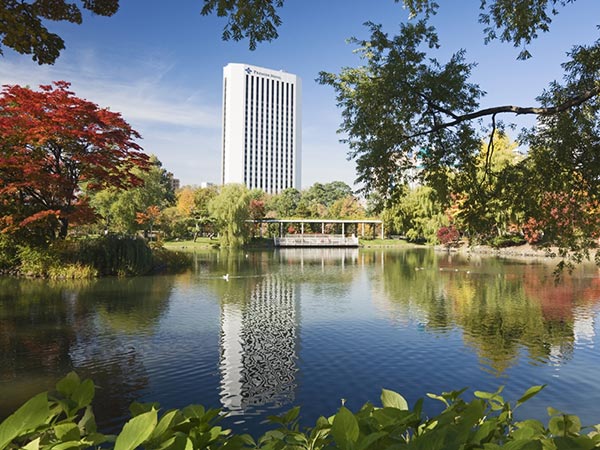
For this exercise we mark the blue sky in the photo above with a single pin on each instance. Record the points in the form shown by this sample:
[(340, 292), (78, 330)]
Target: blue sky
[(161, 66)]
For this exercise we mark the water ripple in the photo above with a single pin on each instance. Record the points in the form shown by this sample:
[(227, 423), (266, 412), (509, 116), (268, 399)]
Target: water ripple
[(310, 329)]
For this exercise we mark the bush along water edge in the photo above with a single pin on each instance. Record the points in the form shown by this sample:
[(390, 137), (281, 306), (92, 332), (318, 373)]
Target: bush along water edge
[(108, 255), (64, 419)]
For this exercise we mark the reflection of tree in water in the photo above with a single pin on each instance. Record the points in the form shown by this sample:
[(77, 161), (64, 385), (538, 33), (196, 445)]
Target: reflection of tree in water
[(410, 280), (35, 339), (52, 328), (209, 263), (498, 319), (128, 306), (500, 308), (111, 348), (558, 300)]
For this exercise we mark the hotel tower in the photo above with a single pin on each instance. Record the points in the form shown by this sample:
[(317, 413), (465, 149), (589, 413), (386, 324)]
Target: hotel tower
[(262, 140)]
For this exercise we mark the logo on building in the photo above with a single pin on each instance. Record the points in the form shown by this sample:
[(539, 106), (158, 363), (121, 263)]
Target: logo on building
[(250, 71)]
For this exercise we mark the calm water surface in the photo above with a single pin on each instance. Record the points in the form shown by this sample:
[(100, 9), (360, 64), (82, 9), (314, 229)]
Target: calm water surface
[(309, 328)]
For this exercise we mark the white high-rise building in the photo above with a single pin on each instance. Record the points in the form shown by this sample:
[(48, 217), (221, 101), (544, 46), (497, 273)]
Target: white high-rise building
[(262, 128)]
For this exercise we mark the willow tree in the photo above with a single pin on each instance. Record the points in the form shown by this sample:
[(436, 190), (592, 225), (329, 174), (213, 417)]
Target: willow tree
[(230, 209)]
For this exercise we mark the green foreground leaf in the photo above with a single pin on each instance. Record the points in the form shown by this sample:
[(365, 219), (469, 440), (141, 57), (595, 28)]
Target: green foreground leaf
[(28, 417), (136, 431)]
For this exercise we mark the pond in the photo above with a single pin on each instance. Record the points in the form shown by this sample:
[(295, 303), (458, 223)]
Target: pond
[(308, 327)]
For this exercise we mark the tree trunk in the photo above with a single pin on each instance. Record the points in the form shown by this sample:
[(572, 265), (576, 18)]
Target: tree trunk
[(64, 226)]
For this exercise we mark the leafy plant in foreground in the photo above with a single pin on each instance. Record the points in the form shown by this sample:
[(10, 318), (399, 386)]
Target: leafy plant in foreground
[(64, 420)]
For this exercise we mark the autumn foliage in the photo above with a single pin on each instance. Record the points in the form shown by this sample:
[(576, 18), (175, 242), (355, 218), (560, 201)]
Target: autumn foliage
[(566, 215), (52, 144), (448, 236)]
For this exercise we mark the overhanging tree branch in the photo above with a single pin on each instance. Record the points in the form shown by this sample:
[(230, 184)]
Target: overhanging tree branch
[(436, 107), (518, 110)]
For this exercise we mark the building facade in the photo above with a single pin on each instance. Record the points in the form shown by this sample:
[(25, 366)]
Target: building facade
[(262, 141)]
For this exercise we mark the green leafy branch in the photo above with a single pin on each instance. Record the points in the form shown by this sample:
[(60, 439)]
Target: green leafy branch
[(64, 420)]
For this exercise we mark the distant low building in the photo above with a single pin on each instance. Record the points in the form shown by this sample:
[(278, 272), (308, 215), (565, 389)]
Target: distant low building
[(175, 183)]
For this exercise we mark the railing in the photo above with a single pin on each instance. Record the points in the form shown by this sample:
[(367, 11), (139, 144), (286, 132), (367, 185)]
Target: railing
[(322, 240)]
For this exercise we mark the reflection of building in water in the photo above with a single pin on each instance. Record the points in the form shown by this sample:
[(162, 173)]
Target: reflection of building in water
[(560, 353), (324, 256), (584, 329), (584, 333), (258, 347)]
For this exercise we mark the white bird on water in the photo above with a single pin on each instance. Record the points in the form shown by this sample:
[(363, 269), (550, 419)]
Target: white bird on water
[(226, 277)]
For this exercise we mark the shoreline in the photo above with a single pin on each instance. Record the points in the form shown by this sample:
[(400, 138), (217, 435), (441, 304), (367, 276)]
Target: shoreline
[(525, 252)]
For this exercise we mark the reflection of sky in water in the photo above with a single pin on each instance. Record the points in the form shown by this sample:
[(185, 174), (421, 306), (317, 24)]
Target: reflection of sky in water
[(310, 327)]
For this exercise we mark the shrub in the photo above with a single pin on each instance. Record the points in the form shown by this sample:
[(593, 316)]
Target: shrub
[(170, 260), (8, 253), (532, 230), (35, 261), (76, 271), (64, 419), (116, 255), (448, 236), (507, 241), (88, 258), (51, 262)]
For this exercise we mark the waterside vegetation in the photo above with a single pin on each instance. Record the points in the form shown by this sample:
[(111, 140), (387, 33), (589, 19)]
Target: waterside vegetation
[(110, 255), (70, 212), (65, 419), (431, 162)]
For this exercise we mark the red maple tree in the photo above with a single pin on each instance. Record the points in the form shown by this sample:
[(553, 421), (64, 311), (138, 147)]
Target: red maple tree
[(53, 143)]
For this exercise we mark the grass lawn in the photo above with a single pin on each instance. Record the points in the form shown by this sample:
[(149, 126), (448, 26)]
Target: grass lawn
[(207, 243), (201, 243)]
